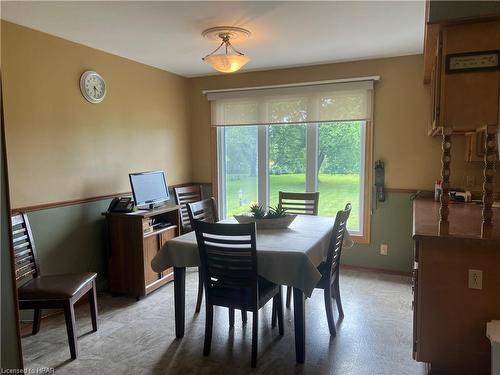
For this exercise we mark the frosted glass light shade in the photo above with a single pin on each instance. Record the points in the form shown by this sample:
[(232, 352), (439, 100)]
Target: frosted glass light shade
[(227, 63)]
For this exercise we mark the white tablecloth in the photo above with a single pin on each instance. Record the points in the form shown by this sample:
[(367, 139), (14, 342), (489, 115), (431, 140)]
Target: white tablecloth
[(285, 256)]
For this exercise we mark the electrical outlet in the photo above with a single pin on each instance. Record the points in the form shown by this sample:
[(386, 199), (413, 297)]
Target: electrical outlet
[(383, 249), (475, 279)]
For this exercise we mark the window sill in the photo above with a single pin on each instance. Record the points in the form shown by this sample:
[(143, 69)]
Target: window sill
[(360, 239)]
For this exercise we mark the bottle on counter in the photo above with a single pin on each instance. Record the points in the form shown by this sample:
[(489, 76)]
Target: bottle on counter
[(438, 189)]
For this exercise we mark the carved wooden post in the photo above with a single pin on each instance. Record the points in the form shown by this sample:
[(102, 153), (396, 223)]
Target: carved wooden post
[(444, 224), (489, 179)]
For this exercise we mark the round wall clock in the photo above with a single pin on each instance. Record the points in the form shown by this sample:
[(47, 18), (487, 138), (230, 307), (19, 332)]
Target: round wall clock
[(92, 86)]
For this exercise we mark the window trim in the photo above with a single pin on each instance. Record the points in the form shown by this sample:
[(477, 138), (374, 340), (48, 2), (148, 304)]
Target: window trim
[(263, 165), (311, 144), (367, 184), (220, 165)]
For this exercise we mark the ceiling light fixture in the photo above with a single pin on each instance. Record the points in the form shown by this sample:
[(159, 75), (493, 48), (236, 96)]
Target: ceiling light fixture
[(230, 60)]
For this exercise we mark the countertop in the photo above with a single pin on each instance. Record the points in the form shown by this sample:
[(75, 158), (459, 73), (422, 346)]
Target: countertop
[(465, 220)]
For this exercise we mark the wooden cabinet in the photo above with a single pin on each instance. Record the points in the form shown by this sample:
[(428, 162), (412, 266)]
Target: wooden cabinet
[(449, 318), (132, 248), (475, 145), (435, 83), (468, 99)]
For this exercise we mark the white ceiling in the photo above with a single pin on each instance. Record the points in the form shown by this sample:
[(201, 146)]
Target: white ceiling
[(167, 34)]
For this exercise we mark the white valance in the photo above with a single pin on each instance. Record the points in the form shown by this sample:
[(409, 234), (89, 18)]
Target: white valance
[(289, 104)]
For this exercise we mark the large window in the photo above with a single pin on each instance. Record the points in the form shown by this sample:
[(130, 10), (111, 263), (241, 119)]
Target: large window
[(340, 169), (328, 158), (287, 160), (314, 137), (239, 167)]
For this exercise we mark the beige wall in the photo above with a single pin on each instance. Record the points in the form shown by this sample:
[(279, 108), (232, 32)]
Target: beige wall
[(61, 147), (401, 114)]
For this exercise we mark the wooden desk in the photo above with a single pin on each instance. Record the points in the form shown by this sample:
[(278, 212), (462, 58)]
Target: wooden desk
[(449, 321), (132, 250)]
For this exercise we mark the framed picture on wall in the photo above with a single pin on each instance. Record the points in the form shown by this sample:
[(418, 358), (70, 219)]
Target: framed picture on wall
[(472, 62)]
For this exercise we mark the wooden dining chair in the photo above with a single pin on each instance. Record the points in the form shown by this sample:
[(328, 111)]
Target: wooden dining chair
[(183, 196), (329, 269), (39, 292), (206, 210), (228, 258), (298, 203)]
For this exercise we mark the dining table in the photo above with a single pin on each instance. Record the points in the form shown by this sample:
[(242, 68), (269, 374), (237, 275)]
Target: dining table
[(288, 257)]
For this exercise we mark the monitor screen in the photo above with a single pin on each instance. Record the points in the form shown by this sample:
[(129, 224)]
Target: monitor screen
[(149, 187)]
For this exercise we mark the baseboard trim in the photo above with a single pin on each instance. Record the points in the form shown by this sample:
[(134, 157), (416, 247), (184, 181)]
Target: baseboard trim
[(375, 270)]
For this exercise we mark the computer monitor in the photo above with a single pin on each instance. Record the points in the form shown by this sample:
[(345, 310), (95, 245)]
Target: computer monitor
[(149, 188)]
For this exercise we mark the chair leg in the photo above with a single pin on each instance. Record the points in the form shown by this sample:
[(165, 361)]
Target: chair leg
[(231, 317), (255, 334), (244, 316), (69, 316), (279, 312), (337, 297), (37, 318), (209, 320), (288, 296), (329, 311), (200, 291), (93, 306)]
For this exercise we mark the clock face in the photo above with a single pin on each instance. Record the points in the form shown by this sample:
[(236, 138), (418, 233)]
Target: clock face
[(92, 86)]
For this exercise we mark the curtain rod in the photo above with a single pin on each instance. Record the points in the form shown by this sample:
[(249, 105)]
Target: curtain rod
[(299, 84)]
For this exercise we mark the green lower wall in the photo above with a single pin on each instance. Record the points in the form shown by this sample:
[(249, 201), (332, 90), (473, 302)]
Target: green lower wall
[(70, 239), (9, 356), (391, 225), (73, 238)]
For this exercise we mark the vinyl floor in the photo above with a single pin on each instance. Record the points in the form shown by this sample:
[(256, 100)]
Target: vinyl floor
[(138, 337)]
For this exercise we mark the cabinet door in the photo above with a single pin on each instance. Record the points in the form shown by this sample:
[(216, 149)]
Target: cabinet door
[(414, 304), (436, 86), (471, 99), (151, 246), (166, 235)]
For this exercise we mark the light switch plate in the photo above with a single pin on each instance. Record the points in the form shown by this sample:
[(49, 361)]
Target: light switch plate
[(475, 279)]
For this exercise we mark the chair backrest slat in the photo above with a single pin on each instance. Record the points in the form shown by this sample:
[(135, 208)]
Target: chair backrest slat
[(16, 232), (25, 258), (337, 239), (205, 210), (228, 258), (21, 246), (20, 238), (183, 196), (299, 203)]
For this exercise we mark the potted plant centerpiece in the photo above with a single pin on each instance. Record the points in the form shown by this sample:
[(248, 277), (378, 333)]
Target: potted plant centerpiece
[(275, 218)]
